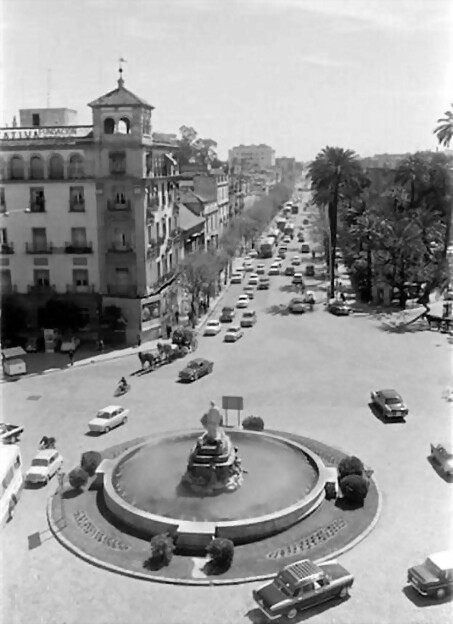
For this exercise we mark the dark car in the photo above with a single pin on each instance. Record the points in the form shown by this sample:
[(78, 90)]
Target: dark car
[(434, 577), (310, 270), (196, 369), (389, 403), (290, 270), (264, 283), (297, 305), (227, 314), (339, 308), (302, 585)]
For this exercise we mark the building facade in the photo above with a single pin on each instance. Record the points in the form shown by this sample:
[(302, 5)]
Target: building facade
[(89, 214), (258, 157)]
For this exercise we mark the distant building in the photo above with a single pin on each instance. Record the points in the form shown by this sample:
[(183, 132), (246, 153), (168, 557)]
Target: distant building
[(260, 157)]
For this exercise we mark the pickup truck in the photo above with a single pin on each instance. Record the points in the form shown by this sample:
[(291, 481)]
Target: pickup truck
[(10, 433)]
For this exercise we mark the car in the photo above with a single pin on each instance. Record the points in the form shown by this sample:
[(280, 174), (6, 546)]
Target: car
[(212, 328), (249, 291), (195, 369), (253, 279), (290, 270), (10, 433), (297, 305), (247, 265), (302, 585), (282, 253), (243, 301), (310, 270), (300, 237), (236, 278), (389, 403), (309, 297), (264, 283), (253, 253), (442, 457), (227, 314), (108, 418), (295, 261), (287, 240), (434, 577), (274, 269), (298, 279), (305, 248), (260, 269), (248, 318), (233, 334), (339, 308), (43, 466), (305, 221)]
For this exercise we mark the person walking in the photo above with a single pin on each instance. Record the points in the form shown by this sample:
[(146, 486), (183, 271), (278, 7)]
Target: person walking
[(168, 331), (71, 357), (177, 317), (139, 340)]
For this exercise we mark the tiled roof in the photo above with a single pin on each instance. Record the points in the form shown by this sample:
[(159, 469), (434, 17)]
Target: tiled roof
[(187, 219), (120, 97)]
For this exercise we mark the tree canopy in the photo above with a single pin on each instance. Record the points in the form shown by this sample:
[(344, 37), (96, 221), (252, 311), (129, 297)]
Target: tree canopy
[(194, 149), (444, 130)]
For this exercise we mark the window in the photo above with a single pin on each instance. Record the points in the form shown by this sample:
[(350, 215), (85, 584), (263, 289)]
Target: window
[(79, 237), (39, 238), (5, 280), (35, 120), (16, 168), (124, 126), (122, 278), (41, 277), (117, 162), (2, 200), (76, 167), (2, 169), (36, 168), (80, 277), (76, 199), (37, 201), (3, 236), (109, 126), (56, 167)]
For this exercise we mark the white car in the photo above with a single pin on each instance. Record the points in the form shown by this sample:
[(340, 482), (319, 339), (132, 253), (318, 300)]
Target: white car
[(277, 262), (243, 301), (248, 265), (287, 240), (236, 278), (43, 466), (212, 328), (253, 253), (260, 269), (295, 261), (233, 334), (108, 418), (253, 279), (249, 291), (274, 269)]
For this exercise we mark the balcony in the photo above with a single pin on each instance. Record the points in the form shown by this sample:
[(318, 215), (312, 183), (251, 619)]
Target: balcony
[(76, 206), (38, 248), (152, 204), (82, 289), (41, 289), (6, 248), (38, 205), (120, 290), (115, 206), (117, 248), (176, 234), (78, 248)]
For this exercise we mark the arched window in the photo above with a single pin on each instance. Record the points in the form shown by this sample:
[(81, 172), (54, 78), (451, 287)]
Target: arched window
[(16, 168), (109, 126), (56, 167), (2, 169), (76, 167), (36, 168), (124, 126)]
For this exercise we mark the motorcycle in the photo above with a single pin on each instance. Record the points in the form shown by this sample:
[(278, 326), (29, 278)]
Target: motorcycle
[(47, 443), (121, 389)]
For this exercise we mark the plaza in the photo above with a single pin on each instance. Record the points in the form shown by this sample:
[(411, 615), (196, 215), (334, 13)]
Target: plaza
[(311, 375)]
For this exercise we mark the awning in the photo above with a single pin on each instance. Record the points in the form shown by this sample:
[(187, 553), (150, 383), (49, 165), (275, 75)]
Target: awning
[(188, 221)]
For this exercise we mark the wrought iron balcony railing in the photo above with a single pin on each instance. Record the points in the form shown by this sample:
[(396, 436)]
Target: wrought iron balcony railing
[(78, 248), (39, 248)]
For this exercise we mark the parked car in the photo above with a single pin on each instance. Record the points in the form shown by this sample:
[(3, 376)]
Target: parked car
[(249, 291), (195, 369), (227, 314), (302, 585), (10, 433), (297, 305), (43, 466), (253, 253), (310, 270), (434, 577), (389, 403), (108, 418), (339, 308), (236, 278), (264, 283), (287, 240), (260, 269), (290, 270), (248, 318), (282, 253), (305, 248), (212, 328), (253, 279), (274, 269), (300, 237), (243, 301), (233, 334), (295, 261), (248, 265), (442, 456), (298, 279)]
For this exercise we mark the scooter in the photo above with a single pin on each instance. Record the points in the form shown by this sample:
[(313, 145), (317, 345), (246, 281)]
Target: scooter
[(121, 389), (47, 443)]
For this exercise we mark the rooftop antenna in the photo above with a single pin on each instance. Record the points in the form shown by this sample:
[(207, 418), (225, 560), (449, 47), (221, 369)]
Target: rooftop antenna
[(121, 60), (49, 76)]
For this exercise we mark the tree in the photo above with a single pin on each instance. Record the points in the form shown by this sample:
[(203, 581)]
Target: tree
[(199, 272), (221, 552), (14, 318), (229, 243), (78, 477), (162, 548), (253, 423), (193, 149), (350, 465), (89, 461), (354, 488), (444, 130), (336, 176)]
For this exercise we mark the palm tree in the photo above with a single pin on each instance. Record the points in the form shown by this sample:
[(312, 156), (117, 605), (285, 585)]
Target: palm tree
[(444, 130), (336, 175), (413, 171)]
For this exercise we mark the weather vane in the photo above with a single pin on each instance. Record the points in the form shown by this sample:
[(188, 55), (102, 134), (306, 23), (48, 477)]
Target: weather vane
[(121, 60)]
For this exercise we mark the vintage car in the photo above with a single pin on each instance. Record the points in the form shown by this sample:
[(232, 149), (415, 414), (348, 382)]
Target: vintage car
[(43, 466), (247, 265), (302, 585), (305, 248), (196, 369), (260, 269), (310, 270), (108, 418), (442, 457), (389, 403), (253, 253), (233, 334), (248, 318), (249, 291), (10, 433), (339, 308), (212, 328), (274, 269), (298, 279), (295, 261), (297, 305), (253, 279), (227, 314), (434, 577), (289, 271), (243, 301), (236, 278), (264, 283)]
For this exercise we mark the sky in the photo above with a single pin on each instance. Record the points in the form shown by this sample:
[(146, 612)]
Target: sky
[(368, 75)]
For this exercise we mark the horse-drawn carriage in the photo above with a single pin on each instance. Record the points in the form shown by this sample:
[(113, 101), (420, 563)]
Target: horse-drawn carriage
[(184, 337), (164, 353)]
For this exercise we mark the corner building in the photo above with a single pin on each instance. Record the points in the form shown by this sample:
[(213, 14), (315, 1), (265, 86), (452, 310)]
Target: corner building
[(88, 214)]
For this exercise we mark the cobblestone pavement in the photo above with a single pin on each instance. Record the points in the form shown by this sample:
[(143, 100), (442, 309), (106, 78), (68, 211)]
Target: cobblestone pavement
[(311, 374)]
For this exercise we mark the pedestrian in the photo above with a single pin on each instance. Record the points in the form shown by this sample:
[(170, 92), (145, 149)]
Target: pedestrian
[(168, 331), (139, 340), (177, 317), (313, 254), (71, 357), (101, 345), (342, 297)]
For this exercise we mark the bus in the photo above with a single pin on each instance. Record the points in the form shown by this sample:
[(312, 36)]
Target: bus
[(11, 480), (266, 247)]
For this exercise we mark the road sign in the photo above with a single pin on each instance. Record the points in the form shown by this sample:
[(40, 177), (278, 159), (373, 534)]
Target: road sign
[(235, 403)]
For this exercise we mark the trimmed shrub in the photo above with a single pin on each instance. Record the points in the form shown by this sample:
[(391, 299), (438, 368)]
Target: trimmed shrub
[(350, 466), (253, 423), (221, 552), (354, 488), (162, 548), (78, 477), (90, 461)]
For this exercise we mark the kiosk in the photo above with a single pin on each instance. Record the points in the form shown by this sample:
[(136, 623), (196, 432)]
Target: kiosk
[(13, 362)]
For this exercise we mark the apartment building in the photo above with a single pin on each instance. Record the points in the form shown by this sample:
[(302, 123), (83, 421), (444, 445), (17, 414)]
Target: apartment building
[(259, 157)]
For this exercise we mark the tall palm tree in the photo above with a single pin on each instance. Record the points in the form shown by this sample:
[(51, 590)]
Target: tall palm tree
[(336, 175), (413, 171), (444, 130)]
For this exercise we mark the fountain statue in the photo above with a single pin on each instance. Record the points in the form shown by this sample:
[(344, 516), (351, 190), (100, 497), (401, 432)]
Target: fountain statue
[(214, 465)]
